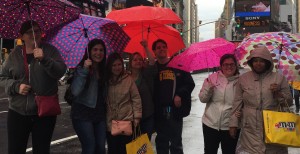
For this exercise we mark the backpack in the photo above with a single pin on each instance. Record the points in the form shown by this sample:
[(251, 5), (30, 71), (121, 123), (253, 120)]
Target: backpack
[(68, 94)]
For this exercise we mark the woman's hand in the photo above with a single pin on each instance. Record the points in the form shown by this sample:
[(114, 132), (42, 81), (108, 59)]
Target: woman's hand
[(87, 63), (136, 122), (274, 87), (210, 85), (238, 114), (38, 53), (232, 131), (24, 89)]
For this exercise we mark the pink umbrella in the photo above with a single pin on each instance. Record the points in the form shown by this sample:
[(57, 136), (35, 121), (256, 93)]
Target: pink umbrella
[(202, 55)]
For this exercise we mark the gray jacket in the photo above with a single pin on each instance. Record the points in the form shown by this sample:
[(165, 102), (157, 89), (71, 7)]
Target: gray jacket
[(43, 78)]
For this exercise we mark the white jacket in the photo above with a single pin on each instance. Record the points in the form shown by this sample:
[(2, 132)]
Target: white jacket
[(218, 94)]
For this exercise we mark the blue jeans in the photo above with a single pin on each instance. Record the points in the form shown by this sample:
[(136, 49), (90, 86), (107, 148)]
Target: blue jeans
[(92, 136)]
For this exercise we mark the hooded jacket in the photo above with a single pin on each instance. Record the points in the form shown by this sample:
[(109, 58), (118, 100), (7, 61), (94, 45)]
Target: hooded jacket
[(219, 101), (253, 95), (43, 76)]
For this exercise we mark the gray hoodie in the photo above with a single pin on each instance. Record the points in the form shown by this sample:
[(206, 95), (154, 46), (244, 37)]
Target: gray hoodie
[(43, 78)]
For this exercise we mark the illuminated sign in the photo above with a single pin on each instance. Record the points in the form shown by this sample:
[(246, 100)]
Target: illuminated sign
[(252, 8), (254, 23)]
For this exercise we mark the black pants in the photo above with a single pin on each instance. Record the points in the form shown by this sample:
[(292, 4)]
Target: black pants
[(19, 128), (169, 131), (117, 144), (213, 137)]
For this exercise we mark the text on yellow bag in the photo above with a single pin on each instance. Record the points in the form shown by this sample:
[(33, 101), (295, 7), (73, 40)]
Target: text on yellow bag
[(282, 128), (141, 145)]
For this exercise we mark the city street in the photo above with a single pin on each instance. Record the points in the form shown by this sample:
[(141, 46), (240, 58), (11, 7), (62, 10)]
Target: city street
[(65, 141)]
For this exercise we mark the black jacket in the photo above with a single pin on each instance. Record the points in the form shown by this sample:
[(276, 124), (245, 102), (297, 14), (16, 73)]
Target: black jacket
[(184, 87)]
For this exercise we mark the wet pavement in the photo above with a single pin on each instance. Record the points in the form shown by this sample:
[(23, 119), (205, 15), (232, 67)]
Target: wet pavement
[(64, 141)]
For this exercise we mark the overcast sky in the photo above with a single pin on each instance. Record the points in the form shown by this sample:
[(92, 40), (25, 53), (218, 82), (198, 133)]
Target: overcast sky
[(209, 10)]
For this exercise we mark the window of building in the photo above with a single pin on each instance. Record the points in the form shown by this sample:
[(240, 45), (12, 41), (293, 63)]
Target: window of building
[(282, 2)]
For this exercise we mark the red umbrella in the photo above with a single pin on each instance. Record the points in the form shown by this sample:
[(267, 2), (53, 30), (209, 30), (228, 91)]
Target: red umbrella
[(145, 15), (152, 33)]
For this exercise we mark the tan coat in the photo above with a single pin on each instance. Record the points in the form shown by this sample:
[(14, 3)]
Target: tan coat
[(123, 101), (253, 95)]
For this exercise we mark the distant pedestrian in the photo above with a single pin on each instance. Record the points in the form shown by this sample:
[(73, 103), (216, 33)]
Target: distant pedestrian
[(123, 102), (218, 93), (88, 111), (258, 90), (33, 68), (295, 87)]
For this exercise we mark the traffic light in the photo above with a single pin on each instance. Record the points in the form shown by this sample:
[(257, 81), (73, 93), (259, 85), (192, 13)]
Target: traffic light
[(180, 31), (238, 23)]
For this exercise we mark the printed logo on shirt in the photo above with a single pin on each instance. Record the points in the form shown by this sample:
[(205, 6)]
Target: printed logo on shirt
[(166, 75)]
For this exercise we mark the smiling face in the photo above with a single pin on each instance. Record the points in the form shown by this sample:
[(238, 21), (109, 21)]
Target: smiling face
[(117, 67), (161, 50), (137, 62), (228, 67), (97, 53)]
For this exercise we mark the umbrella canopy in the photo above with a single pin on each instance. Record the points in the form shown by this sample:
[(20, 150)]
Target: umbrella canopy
[(151, 33), (144, 14), (47, 13), (283, 46), (72, 38), (202, 55)]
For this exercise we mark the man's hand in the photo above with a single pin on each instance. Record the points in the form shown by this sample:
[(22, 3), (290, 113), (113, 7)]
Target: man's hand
[(24, 89), (144, 43), (177, 101)]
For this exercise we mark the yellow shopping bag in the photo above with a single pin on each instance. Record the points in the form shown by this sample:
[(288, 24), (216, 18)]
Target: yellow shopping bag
[(141, 145), (282, 128)]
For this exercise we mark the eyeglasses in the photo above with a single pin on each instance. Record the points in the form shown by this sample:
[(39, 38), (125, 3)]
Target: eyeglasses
[(228, 65)]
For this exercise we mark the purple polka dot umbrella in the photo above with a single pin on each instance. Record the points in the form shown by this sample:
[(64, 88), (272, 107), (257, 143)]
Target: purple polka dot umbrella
[(47, 13), (284, 48), (72, 38)]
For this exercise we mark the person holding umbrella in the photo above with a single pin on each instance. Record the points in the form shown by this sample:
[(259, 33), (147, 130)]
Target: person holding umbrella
[(33, 68), (172, 101), (258, 90), (88, 111)]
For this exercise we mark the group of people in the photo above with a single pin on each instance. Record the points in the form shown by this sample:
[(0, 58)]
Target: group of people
[(234, 104), (102, 91), (149, 94)]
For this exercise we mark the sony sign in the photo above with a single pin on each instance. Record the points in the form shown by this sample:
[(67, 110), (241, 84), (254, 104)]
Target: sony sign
[(252, 18)]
